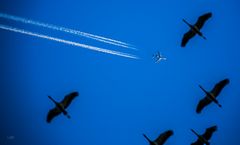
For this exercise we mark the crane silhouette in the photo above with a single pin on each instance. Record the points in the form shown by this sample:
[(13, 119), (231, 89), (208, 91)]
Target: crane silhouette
[(162, 138), (203, 139), (195, 29), (212, 95), (61, 107)]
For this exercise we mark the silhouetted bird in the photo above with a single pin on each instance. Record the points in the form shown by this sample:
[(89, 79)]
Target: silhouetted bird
[(61, 107), (161, 139), (211, 96), (195, 29), (203, 139)]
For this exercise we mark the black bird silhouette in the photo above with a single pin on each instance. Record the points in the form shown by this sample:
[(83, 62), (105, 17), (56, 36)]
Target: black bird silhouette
[(211, 96), (195, 29), (203, 139), (61, 107), (161, 139)]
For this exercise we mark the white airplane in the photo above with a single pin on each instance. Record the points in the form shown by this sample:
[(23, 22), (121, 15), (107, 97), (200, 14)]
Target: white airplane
[(158, 57)]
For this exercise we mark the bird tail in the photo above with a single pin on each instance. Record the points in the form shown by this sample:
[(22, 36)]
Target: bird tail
[(68, 116), (204, 37)]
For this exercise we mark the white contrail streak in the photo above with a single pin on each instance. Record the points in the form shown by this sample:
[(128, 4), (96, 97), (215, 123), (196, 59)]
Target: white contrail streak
[(4, 27), (67, 30)]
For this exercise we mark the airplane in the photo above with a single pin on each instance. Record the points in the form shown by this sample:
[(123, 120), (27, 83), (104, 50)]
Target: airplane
[(158, 57)]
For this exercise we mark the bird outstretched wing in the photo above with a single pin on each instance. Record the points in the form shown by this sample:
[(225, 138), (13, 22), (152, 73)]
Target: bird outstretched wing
[(186, 37), (219, 86), (163, 137), (68, 99), (209, 132), (53, 113), (203, 103), (202, 19)]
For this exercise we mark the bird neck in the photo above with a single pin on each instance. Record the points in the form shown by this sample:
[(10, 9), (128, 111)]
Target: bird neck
[(187, 23), (151, 143), (195, 132), (206, 92), (52, 100)]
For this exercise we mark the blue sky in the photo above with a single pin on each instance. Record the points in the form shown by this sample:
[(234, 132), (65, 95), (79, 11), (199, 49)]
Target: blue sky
[(120, 98)]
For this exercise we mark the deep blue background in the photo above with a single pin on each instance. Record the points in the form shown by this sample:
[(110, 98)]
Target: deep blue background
[(120, 98)]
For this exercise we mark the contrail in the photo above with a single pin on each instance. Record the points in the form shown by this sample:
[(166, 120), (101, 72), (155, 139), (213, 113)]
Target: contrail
[(67, 30), (4, 27)]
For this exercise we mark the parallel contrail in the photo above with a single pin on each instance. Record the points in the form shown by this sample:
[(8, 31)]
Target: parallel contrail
[(4, 27), (67, 30)]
